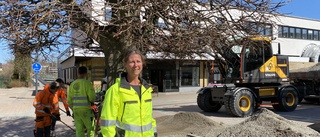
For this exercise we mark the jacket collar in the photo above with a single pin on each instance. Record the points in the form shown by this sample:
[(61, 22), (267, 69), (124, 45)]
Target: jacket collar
[(125, 84), (47, 90)]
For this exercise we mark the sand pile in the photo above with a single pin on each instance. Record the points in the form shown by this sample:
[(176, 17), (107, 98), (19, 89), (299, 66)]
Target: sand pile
[(264, 123), (182, 124)]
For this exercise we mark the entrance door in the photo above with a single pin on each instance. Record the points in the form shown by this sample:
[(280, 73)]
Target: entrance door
[(156, 79)]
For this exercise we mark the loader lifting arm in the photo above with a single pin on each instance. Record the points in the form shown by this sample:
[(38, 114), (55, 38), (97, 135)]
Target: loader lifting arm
[(228, 64)]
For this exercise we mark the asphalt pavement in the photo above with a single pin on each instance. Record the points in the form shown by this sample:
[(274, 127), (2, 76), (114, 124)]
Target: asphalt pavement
[(17, 112)]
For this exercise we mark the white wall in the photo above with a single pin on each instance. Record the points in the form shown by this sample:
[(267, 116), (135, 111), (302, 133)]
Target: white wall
[(290, 46), (96, 9)]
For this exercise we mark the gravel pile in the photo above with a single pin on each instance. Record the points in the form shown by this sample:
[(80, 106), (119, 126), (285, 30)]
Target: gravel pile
[(264, 123), (182, 124)]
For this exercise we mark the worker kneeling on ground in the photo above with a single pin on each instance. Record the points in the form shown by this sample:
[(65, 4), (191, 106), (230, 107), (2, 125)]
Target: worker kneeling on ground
[(45, 103)]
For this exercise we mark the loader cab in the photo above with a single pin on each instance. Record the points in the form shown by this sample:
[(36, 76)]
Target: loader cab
[(252, 61), (255, 53)]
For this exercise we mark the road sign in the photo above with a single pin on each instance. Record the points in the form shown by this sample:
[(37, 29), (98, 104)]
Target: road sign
[(36, 66), (36, 71)]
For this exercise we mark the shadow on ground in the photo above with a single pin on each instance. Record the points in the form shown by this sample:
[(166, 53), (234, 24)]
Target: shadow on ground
[(23, 127)]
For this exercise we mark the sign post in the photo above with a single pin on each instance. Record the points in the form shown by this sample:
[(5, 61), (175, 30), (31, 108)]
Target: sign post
[(36, 69)]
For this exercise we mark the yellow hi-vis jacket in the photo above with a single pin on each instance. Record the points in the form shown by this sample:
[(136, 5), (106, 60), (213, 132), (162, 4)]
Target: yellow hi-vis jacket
[(125, 114), (81, 94)]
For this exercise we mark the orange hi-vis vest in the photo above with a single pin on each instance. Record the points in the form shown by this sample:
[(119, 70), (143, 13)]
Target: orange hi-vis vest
[(61, 93), (44, 99)]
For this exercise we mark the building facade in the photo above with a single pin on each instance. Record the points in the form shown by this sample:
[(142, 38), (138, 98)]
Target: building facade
[(299, 38), (296, 37)]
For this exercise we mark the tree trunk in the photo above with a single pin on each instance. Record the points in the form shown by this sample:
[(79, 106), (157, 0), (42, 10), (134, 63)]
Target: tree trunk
[(113, 53)]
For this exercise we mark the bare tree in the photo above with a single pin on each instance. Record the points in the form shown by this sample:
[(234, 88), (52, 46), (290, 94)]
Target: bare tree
[(175, 28)]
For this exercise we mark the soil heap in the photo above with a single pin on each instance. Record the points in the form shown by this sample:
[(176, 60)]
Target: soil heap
[(264, 123), (184, 123)]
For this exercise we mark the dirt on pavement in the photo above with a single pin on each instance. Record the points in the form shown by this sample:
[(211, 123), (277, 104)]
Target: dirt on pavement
[(264, 123)]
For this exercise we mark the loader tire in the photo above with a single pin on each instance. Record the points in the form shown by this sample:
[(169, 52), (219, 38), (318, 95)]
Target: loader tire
[(288, 100), (205, 102), (226, 104), (242, 103)]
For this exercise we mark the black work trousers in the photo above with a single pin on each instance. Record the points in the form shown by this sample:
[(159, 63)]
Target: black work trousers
[(43, 132)]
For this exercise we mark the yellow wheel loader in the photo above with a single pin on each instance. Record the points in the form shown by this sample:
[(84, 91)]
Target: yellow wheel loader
[(251, 76)]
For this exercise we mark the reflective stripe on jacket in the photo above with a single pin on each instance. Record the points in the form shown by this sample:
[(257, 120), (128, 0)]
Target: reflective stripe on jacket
[(61, 93), (81, 94), (125, 113), (44, 99)]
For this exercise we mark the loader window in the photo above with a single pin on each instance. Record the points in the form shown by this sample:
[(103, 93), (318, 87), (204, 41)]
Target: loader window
[(255, 54), (253, 58)]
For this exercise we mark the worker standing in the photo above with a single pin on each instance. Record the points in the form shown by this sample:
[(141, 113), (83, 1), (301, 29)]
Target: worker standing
[(81, 96), (45, 103), (61, 94), (127, 106)]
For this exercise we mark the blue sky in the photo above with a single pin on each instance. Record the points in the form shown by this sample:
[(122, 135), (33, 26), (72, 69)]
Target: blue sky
[(5, 53), (301, 8)]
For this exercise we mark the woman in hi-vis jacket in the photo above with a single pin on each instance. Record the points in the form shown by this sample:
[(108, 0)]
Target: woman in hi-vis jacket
[(127, 106)]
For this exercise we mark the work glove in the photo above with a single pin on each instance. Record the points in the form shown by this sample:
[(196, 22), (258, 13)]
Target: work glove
[(68, 113), (94, 108), (47, 110)]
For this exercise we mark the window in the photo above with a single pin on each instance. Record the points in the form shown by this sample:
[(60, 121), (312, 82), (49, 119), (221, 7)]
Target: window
[(190, 76), (316, 35), (252, 28), (285, 32), (291, 32), (310, 34), (304, 34), (280, 31), (256, 55), (298, 33), (260, 28), (268, 30)]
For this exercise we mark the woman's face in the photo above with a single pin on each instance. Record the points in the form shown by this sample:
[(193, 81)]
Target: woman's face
[(134, 65)]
